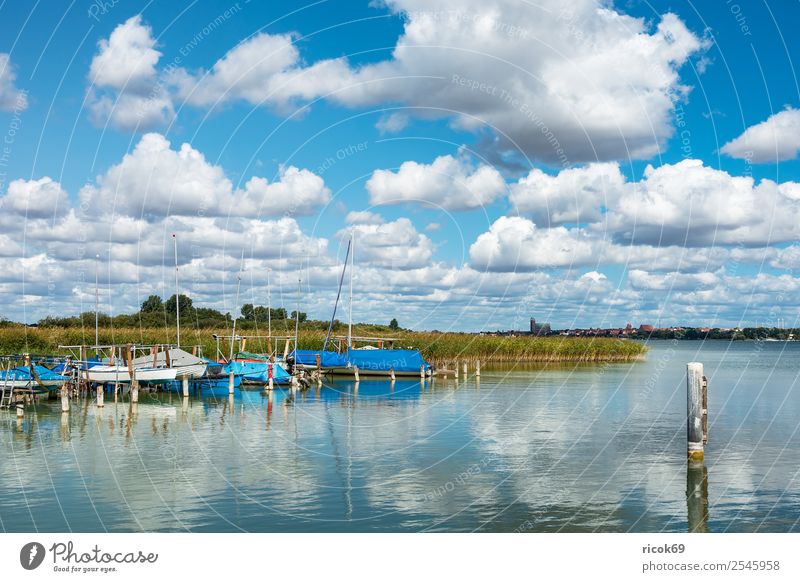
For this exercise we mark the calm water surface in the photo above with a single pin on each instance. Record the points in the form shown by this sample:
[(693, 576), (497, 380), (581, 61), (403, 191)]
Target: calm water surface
[(590, 448)]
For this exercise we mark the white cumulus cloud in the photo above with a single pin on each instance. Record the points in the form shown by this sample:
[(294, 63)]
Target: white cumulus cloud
[(448, 182), (155, 180), (126, 91), (773, 140), (514, 243)]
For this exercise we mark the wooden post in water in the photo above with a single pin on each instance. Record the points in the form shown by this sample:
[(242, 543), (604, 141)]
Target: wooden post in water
[(100, 402), (20, 410), (455, 369), (705, 410), (465, 369), (391, 374), (64, 398), (270, 373), (355, 371), (230, 383), (694, 410), (185, 385), (477, 368), (134, 389)]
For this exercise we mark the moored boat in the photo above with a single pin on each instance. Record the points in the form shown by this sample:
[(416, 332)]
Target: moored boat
[(184, 363)]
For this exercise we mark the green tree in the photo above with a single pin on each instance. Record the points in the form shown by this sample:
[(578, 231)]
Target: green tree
[(185, 305), (393, 325), (248, 312), (152, 304), (303, 316)]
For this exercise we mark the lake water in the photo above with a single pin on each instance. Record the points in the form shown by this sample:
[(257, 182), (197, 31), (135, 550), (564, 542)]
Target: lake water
[(587, 448)]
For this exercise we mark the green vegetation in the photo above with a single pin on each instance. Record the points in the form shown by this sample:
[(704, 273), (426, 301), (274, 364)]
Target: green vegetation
[(154, 323), (435, 347)]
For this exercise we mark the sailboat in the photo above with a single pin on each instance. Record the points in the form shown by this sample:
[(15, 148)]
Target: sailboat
[(184, 364), (369, 359)]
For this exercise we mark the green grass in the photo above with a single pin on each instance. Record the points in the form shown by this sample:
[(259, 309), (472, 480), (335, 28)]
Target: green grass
[(435, 347)]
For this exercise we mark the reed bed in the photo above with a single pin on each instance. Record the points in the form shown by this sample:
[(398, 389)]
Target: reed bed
[(435, 347)]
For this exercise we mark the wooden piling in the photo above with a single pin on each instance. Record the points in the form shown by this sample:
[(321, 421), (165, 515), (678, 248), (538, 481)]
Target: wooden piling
[(694, 410), (64, 398), (20, 410), (134, 390), (705, 410), (100, 402), (231, 383), (422, 371), (355, 371), (477, 368), (465, 369), (455, 370), (391, 374), (185, 385)]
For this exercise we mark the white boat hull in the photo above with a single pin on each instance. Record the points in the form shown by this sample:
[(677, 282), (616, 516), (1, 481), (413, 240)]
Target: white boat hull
[(107, 374)]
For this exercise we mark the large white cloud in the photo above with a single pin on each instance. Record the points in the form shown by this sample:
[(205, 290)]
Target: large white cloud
[(393, 245), (514, 243), (563, 83), (264, 69), (155, 180), (576, 195), (691, 204), (11, 98), (126, 90), (448, 182), (773, 140), (683, 204), (35, 198)]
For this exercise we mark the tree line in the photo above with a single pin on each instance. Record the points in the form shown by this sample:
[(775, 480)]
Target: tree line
[(155, 312)]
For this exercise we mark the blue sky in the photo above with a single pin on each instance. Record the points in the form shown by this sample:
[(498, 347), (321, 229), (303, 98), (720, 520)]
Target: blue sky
[(584, 165)]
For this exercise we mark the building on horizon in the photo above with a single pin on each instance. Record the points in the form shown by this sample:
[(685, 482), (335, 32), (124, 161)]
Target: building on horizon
[(539, 329)]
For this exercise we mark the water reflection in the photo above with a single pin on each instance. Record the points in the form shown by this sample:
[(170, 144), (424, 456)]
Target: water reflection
[(544, 449), (697, 497)]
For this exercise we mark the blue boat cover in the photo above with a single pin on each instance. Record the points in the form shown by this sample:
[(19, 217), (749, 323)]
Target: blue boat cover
[(90, 363), (327, 359), (258, 371), (384, 360), (24, 373)]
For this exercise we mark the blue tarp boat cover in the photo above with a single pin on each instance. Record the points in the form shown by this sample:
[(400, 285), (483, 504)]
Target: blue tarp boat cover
[(366, 359), (384, 360), (258, 371), (90, 363), (24, 373), (327, 359)]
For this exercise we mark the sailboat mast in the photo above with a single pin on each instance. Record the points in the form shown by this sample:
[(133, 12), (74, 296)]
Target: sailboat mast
[(96, 303), (235, 317), (269, 307), (297, 314), (350, 315), (177, 292)]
